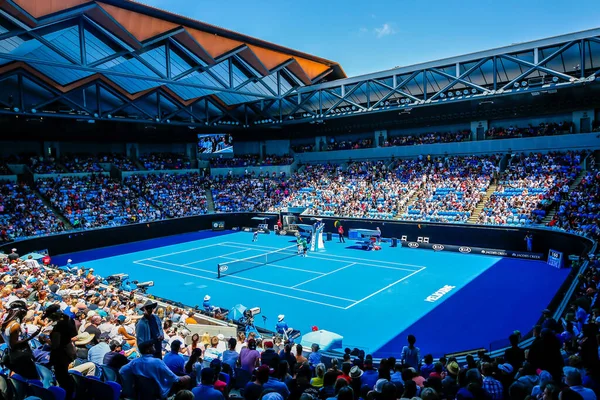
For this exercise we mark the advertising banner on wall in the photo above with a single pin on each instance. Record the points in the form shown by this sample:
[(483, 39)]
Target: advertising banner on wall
[(474, 250)]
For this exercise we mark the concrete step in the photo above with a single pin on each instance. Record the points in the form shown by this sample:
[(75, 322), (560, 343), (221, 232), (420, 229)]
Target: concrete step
[(477, 212), (550, 216), (210, 202), (55, 210)]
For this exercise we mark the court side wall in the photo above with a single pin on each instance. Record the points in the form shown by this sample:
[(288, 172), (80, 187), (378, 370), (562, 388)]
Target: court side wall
[(495, 237)]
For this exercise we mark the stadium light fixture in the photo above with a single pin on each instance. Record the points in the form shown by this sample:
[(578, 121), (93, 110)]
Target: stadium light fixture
[(474, 91), (16, 109), (442, 95), (524, 83), (555, 79), (33, 110), (450, 94), (516, 85), (465, 92), (109, 116), (95, 115), (458, 93)]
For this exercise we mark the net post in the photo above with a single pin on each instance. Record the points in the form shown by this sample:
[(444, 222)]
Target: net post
[(218, 271)]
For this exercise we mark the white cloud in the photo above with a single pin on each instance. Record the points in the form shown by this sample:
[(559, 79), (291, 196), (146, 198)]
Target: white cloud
[(385, 30), (363, 30)]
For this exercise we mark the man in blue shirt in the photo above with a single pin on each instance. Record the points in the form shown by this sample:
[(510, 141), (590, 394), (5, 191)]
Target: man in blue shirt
[(282, 326), (151, 368), (97, 352), (206, 391), (174, 361)]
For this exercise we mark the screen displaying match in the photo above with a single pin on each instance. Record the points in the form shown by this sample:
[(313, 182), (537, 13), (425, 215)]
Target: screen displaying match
[(215, 143)]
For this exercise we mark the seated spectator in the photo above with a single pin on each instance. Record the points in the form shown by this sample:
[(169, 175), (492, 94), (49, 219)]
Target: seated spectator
[(173, 360), (165, 161), (206, 391), (151, 368)]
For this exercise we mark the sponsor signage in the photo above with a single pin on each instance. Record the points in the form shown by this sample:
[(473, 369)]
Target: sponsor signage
[(555, 258), (474, 250), (218, 225), (438, 294)]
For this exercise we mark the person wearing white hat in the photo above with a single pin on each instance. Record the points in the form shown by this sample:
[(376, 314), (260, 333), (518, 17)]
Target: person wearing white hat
[(208, 307), (282, 327), (13, 256)]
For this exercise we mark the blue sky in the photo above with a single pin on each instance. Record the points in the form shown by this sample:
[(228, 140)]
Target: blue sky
[(369, 36)]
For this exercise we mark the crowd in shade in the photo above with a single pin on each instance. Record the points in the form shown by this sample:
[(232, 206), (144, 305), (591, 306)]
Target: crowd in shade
[(175, 195), (81, 163), (64, 332), (348, 144), (96, 201), (252, 160), (451, 188), (163, 161), (543, 129), (427, 138), (4, 169), (41, 165), (92, 163), (531, 183), (580, 210), (24, 214)]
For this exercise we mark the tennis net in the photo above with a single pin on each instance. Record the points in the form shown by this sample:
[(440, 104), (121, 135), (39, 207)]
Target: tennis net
[(235, 266)]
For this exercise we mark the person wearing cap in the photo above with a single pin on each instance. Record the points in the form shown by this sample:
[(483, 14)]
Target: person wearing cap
[(206, 390), (13, 256), (19, 357), (282, 327), (121, 322), (152, 368), (115, 357), (31, 263), (450, 382), (269, 353), (62, 351), (149, 328), (96, 353)]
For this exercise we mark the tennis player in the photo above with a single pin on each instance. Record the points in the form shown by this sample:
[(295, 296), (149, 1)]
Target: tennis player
[(378, 235), (255, 236), (304, 247)]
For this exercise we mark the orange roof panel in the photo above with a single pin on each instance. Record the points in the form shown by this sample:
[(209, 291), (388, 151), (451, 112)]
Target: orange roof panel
[(215, 45), (312, 69), (269, 58), (141, 26), (40, 8)]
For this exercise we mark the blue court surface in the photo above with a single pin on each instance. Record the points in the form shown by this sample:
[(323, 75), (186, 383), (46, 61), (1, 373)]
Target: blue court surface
[(449, 301)]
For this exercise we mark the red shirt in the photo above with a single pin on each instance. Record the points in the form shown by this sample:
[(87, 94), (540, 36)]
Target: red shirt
[(341, 230), (46, 260)]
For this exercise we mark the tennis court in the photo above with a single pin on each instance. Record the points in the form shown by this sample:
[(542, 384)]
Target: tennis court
[(366, 296)]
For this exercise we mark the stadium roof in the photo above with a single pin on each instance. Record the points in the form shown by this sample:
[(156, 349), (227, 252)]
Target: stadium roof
[(122, 60), (139, 51)]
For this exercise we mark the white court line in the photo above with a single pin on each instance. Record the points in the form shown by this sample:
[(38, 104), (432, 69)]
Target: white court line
[(214, 258), (238, 285), (385, 288), (272, 265), (328, 257), (182, 251), (328, 273), (253, 280), (334, 255)]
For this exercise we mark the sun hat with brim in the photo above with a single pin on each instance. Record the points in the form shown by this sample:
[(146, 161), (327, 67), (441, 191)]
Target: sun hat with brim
[(355, 372), (84, 338), (452, 367), (149, 304), (280, 317), (206, 298)]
